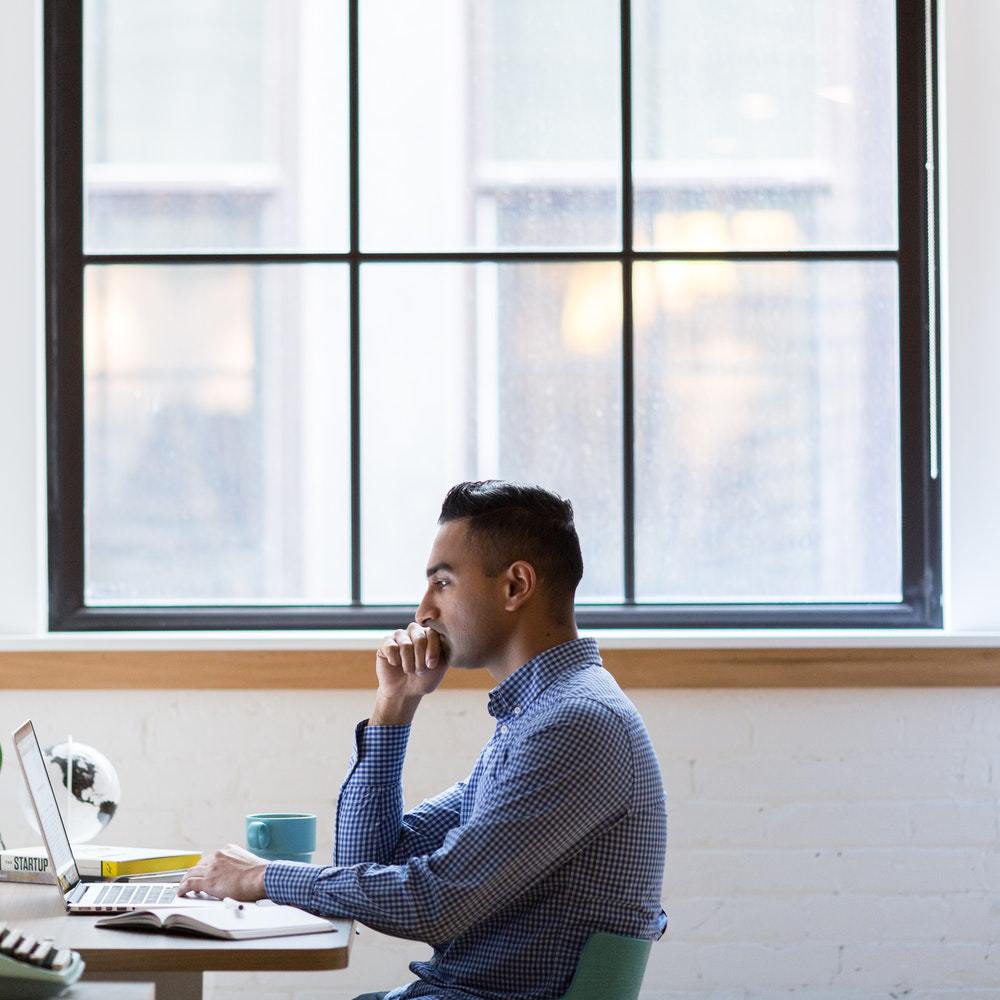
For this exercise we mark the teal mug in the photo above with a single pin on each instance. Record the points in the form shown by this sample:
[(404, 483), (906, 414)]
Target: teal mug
[(282, 836)]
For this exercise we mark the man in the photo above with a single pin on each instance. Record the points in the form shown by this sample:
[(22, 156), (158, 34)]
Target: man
[(559, 831)]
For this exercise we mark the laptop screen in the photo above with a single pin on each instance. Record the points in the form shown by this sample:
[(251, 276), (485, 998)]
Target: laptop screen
[(39, 784)]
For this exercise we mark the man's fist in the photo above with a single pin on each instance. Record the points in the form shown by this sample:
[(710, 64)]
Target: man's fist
[(409, 664)]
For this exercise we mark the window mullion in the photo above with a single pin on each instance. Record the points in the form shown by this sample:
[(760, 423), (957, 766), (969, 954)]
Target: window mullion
[(355, 291), (628, 381)]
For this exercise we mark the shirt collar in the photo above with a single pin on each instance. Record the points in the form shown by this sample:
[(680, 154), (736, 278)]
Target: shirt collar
[(513, 694)]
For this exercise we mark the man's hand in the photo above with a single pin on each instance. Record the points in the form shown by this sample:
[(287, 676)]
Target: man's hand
[(232, 872), (409, 664)]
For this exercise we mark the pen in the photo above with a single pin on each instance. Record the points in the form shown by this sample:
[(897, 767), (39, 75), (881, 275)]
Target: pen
[(233, 904)]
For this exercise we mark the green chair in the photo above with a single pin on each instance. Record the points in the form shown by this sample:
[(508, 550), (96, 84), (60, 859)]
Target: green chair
[(610, 968)]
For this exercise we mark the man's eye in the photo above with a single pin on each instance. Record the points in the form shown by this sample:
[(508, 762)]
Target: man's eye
[(440, 584)]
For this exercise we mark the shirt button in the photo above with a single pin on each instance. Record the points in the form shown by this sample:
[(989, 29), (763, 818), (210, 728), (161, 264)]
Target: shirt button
[(503, 729), (517, 710)]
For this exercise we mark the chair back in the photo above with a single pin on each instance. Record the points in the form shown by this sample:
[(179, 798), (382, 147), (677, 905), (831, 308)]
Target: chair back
[(610, 968)]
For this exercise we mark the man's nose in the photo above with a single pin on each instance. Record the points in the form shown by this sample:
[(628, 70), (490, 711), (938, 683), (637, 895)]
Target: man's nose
[(426, 613)]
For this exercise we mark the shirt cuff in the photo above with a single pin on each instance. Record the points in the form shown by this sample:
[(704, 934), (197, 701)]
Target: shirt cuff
[(290, 882), (379, 752)]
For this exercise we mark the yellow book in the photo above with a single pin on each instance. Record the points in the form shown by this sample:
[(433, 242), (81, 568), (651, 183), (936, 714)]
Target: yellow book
[(100, 861), (147, 864)]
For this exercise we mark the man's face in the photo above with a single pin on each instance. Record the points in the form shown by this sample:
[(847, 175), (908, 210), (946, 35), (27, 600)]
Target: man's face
[(461, 603)]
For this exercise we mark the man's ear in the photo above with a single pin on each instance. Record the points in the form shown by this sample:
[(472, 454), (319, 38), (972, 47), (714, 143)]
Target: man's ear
[(520, 583)]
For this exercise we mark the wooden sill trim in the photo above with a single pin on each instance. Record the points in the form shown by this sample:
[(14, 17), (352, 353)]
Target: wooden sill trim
[(634, 668)]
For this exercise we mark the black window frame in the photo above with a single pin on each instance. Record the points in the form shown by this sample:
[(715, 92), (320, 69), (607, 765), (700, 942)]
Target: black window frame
[(918, 284)]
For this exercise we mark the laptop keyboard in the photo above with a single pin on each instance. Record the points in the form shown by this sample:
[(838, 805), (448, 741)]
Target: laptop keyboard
[(139, 894)]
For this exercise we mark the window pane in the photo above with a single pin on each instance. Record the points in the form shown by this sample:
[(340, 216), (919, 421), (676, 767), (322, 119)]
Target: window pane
[(490, 124), (767, 432), (216, 435), (215, 124), (764, 123), (480, 371)]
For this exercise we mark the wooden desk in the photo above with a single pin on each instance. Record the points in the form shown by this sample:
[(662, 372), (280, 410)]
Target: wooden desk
[(173, 962), (109, 991)]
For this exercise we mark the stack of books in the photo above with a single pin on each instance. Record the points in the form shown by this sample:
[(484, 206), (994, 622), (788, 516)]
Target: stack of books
[(31, 864)]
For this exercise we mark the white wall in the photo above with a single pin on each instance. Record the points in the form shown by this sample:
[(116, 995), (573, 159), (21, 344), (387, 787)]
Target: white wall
[(970, 79), (832, 845), (829, 844), (22, 442)]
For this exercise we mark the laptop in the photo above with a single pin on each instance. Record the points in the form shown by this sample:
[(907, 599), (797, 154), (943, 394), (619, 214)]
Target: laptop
[(80, 896)]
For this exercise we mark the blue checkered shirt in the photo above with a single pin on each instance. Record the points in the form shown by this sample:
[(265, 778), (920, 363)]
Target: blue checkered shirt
[(560, 831)]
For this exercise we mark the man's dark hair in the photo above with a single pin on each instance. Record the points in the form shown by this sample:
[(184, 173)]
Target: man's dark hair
[(510, 521)]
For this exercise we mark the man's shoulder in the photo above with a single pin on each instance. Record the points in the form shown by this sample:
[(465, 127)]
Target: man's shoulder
[(589, 697)]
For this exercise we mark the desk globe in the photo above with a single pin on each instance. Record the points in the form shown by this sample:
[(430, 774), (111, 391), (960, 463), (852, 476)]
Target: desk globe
[(96, 790)]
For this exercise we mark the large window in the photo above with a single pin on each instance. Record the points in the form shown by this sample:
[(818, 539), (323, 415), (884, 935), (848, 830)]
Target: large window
[(311, 262)]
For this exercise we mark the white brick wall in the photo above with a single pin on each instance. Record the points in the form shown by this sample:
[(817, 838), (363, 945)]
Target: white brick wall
[(830, 845)]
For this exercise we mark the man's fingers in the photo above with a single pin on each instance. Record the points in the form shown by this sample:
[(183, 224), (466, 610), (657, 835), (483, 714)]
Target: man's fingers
[(414, 650), (192, 883), (433, 649), (405, 646), (389, 652), (418, 636), (197, 875)]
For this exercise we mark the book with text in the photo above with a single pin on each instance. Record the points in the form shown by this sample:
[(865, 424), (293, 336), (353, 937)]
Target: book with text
[(100, 861), (28, 878), (222, 921)]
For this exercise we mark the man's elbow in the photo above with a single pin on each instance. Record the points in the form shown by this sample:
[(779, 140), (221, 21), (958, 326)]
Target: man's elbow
[(440, 924), (439, 928)]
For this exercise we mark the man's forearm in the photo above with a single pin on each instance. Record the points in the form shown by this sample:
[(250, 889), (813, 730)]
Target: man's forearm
[(370, 804), (393, 711)]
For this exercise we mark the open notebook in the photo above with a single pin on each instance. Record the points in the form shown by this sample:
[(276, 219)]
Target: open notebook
[(253, 921)]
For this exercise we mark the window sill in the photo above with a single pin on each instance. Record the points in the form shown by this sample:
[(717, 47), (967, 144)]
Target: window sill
[(639, 659), (366, 639)]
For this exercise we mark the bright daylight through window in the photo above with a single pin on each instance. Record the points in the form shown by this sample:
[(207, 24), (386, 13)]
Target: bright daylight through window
[(340, 255)]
